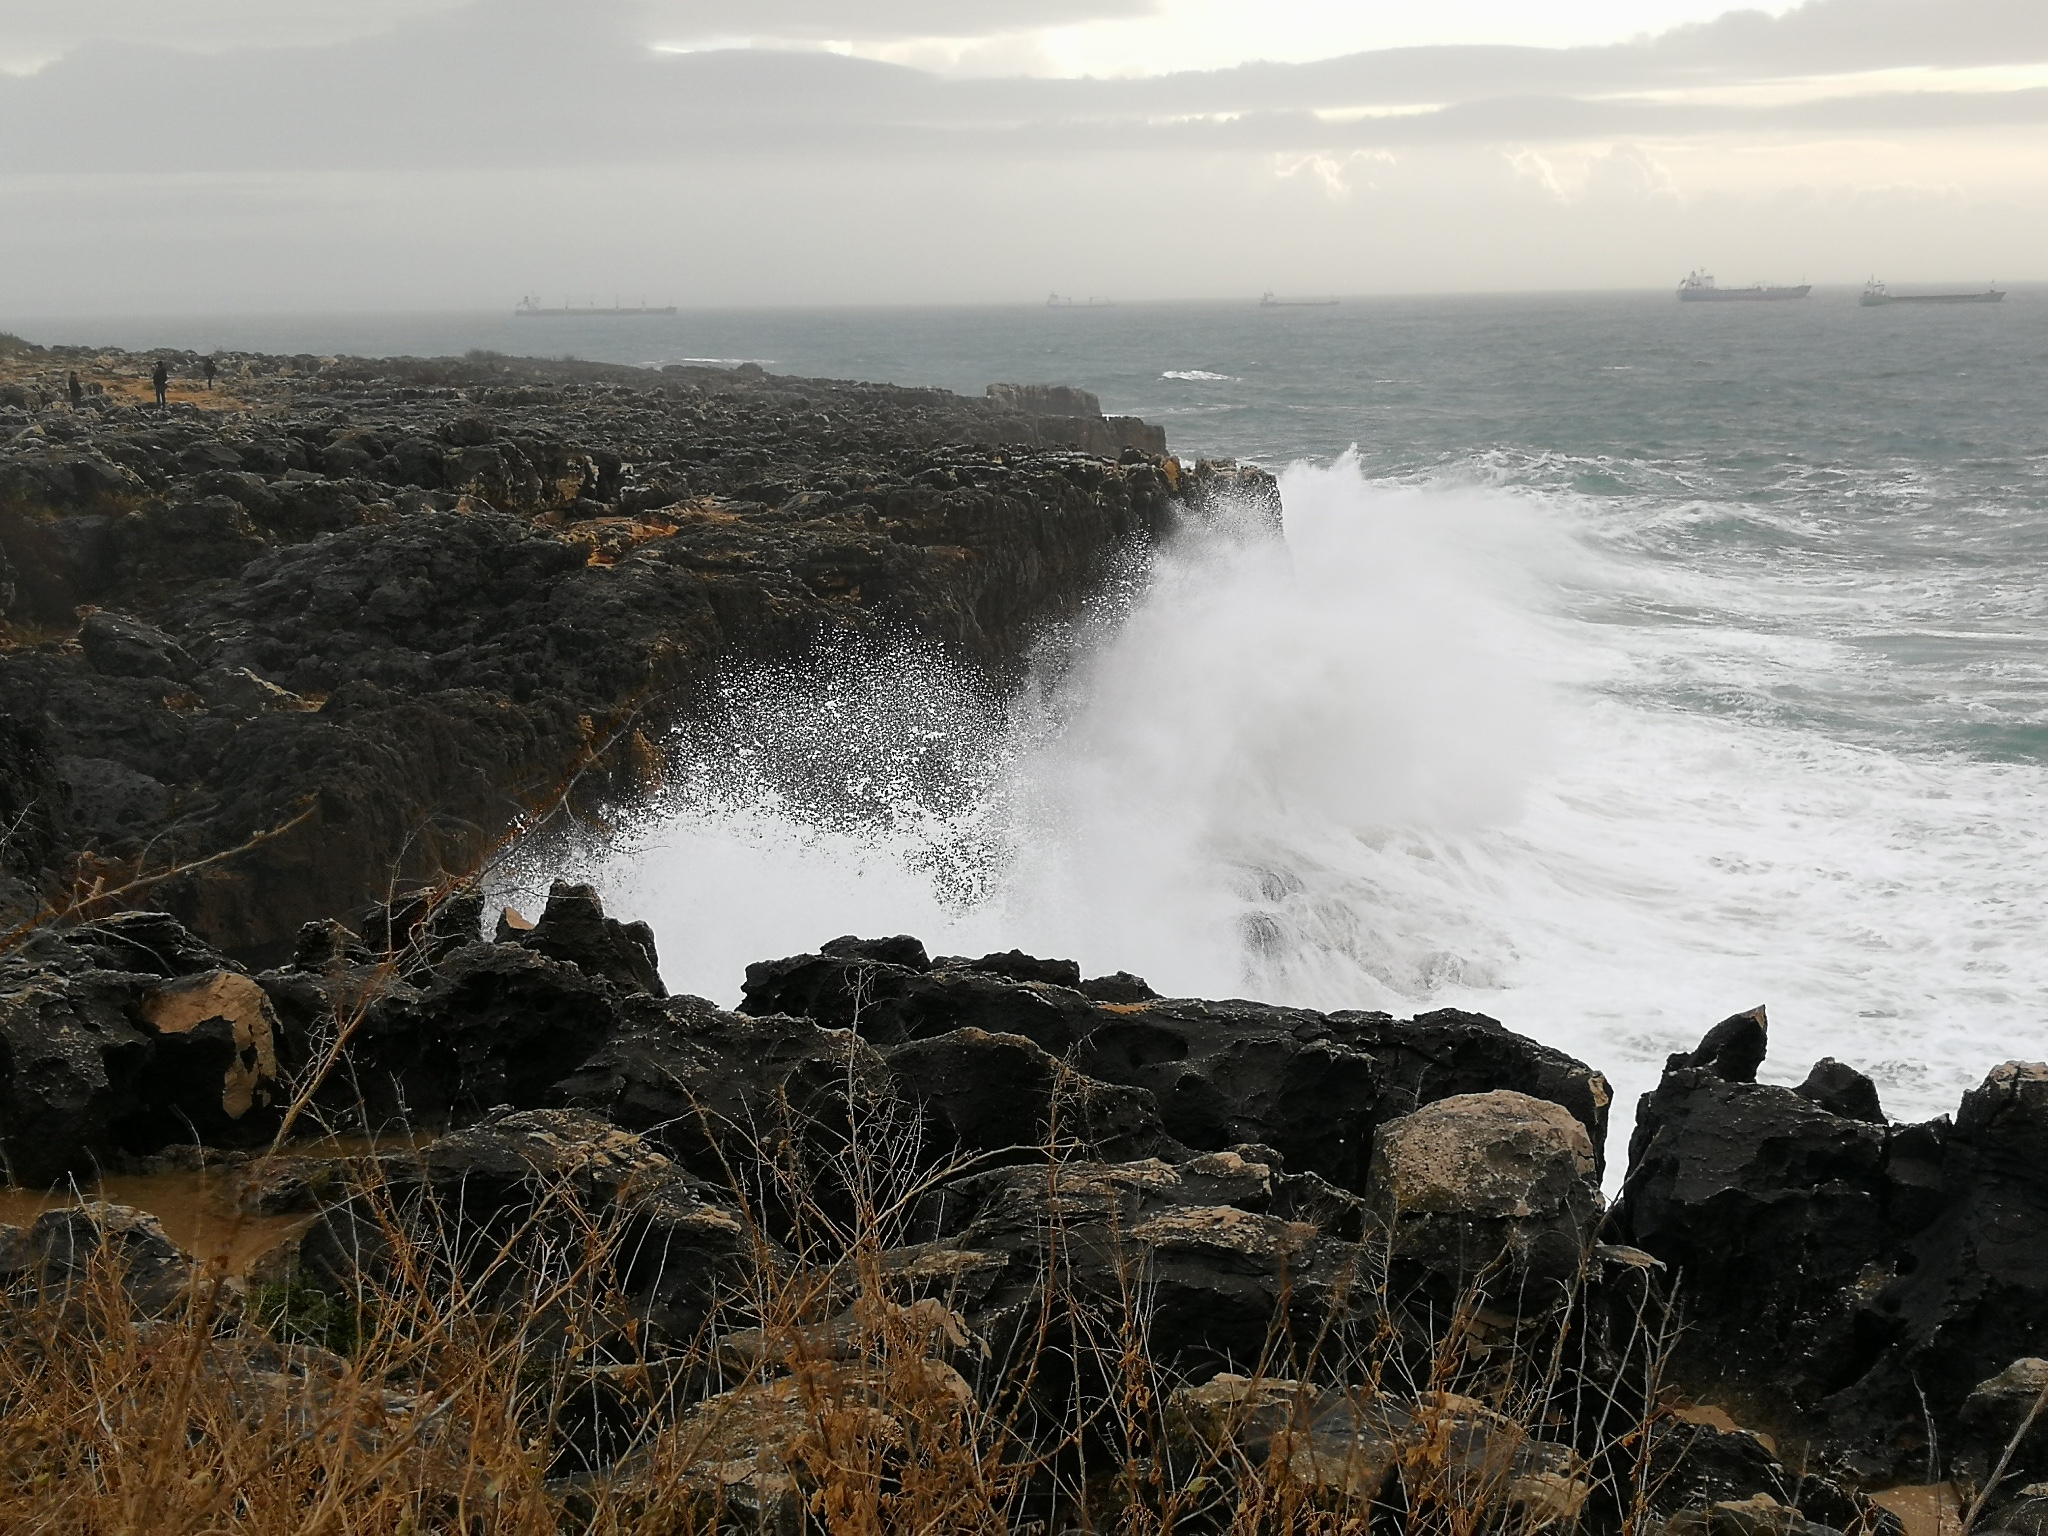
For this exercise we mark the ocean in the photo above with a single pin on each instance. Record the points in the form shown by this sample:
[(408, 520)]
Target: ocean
[(1626, 664)]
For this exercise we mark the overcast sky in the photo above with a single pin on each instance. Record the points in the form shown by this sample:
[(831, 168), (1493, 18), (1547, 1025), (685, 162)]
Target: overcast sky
[(349, 154)]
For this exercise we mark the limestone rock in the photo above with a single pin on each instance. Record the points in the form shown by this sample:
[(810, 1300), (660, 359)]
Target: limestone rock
[(1493, 1189)]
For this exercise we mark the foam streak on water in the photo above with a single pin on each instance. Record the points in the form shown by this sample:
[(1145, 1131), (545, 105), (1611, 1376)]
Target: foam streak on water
[(1449, 744)]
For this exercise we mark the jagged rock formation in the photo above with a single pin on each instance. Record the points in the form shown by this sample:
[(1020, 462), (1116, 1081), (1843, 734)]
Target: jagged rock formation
[(1865, 1278), (1046, 1137), (410, 602), (1313, 1086)]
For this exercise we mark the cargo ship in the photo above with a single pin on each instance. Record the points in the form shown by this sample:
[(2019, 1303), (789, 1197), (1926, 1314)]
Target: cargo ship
[(533, 308), (1875, 293), (1700, 288)]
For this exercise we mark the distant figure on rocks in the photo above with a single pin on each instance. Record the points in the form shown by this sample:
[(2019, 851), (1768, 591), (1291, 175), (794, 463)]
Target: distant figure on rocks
[(77, 390), (207, 368), (161, 378)]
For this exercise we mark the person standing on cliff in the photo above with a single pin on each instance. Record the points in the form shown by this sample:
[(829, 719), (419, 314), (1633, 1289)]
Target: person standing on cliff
[(207, 368), (77, 390), (161, 378)]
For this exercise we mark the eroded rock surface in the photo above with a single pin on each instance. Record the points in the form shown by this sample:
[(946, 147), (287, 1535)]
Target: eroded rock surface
[(1494, 1190), (1313, 1086), (125, 1034), (1865, 1276), (397, 605)]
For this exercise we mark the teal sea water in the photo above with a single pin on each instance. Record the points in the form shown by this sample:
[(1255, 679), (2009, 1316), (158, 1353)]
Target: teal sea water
[(1628, 663)]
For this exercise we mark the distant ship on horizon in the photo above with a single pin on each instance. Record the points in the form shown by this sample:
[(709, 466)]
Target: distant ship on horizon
[(1876, 293), (1270, 300), (1700, 288), (1060, 301), (532, 307)]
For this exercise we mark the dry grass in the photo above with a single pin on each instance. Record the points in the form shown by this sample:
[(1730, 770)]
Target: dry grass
[(499, 1378)]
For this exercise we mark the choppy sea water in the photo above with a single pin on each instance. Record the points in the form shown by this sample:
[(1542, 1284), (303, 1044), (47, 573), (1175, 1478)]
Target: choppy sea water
[(1626, 664)]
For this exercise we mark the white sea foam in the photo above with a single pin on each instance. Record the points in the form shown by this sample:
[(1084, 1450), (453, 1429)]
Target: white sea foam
[(1430, 751), (1199, 375)]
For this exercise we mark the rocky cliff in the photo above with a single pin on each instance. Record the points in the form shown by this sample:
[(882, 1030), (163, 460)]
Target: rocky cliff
[(397, 608)]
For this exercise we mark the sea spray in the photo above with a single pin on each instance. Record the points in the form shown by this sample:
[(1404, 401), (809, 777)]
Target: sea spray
[(1422, 753)]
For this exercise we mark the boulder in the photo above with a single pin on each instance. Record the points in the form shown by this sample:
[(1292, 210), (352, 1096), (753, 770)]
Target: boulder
[(1770, 1209), (490, 1025), (66, 1251), (1732, 1483), (715, 1088), (1496, 1191), (118, 646), (122, 1036), (891, 993), (1234, 1264), (1342, 1450), (2005, 1419), (215, 1033), (523, 1198), (1002, 1094)]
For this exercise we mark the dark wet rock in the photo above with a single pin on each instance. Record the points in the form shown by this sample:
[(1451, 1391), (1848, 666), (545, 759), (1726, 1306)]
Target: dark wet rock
[(573, 928), (1770, 1207), (33, 812), (419, 928), (1842, 1090), (715, 1088), (121, 1036), (1313, 1086), (64, 1252), (856, 983), (1002, 1094), (1074, 417), (241, 691), (2008, 1411), (1118, 987), (900, 949), (1495, 1191), (1318, 1086), (419, 602), (1018, 966), (1864, 1278), (509, 1198), (119, 646), (1345, 1449), (111, 799), (492, 1024), (1730, 1482), (1228, 1282)]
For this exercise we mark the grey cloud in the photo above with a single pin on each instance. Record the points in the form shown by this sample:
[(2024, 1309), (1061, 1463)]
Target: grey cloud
[(39, 30), (874, 19), (512, 83), (1838, 36)]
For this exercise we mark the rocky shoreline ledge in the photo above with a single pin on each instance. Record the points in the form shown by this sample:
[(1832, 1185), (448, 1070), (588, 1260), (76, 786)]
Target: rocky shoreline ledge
[(504, 1236), (398, 608), (1855, 1303)]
